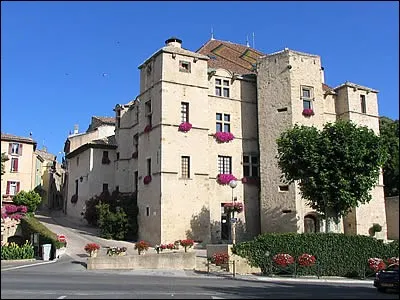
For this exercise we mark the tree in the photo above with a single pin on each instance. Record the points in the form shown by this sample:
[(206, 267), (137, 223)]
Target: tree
[(336, 167), (30, 199), (389, 132), (4, 158)]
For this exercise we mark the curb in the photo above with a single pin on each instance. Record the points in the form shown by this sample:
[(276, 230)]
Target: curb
[(30, 265), (306, 280)]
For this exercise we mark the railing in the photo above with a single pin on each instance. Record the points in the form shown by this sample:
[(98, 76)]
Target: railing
[(225, 265)]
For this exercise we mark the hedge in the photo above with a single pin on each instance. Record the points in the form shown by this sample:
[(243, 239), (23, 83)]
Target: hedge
[(30, 225), (337, 254)]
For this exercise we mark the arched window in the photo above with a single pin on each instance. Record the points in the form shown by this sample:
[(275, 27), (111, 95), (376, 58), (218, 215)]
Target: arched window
[(310, 224)]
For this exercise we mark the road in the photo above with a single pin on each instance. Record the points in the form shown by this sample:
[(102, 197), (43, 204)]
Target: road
[(68, 279)]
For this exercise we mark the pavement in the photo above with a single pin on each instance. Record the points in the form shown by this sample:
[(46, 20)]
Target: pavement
[(78, 234)]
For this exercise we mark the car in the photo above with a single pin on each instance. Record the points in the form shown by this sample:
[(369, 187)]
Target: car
[(387, 278)]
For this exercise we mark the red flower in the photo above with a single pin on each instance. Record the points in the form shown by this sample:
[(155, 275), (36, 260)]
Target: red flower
[(91, 247), (308, 112), (170, 246), (142, 245), (235, 206), (283, 259), (306, 260), (220, 258), (147, 179), (376, 264), (185, 127)]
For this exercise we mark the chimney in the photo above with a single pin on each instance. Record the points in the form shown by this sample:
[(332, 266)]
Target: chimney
[(76, 129), (174, 42)]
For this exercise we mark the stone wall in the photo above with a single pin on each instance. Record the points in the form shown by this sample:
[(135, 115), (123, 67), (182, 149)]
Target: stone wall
[(392, 217), (176, 260)]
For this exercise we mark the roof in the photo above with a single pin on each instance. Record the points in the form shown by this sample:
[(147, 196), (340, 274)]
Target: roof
[(176, 50), (46, 155), (356, 86), (230, 56), (15, 138), (106, 120), (100, 121), (104, 143)]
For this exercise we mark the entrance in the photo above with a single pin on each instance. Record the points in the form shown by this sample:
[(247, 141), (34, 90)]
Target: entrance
[(225, 224)]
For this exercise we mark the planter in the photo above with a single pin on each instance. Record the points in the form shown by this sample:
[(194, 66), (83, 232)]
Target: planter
[(122, 253), (60, 252), (93, 253)]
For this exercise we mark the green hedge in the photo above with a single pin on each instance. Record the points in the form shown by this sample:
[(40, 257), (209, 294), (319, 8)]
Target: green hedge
[(337, 254), (13, 251), (30, 225)]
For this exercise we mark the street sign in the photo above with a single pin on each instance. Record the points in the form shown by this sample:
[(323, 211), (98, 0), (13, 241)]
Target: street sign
[(234, 220), (61, 238)]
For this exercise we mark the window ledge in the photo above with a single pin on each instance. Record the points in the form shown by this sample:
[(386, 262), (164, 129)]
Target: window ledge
[(183, 178)]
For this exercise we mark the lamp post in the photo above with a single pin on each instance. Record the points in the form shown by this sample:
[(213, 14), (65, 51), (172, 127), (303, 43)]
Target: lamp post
[(233, 184)]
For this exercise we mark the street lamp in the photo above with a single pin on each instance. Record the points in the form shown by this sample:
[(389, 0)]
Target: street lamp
[(233, 184)]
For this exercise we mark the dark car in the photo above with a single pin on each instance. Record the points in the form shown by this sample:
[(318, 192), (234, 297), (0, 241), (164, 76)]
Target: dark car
[(388, 278)]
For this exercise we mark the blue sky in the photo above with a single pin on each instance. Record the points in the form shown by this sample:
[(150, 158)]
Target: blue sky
[(54, 54)]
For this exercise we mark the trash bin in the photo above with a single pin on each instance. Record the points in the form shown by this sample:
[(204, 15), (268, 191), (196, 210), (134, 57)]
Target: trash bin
[(46, 250)]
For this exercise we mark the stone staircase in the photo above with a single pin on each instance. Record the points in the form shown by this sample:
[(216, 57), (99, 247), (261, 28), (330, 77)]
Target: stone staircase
[(201, 266)]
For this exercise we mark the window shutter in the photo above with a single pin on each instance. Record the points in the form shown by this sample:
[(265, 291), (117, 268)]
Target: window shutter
[(16, 165), (17, 187), (20, 149), (8, 188), (9, 148)]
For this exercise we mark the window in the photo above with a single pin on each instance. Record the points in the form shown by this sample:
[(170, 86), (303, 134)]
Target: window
[(136, 180), (184, 66), (147, 211), (149, 167), (77, 161), (184, 112), (136, 142), (118, 118), (222, 88), (14, 164), (307, 96), (117, 155), (105, 159), (148, 112), (15, 149), (185, 163), (250, 166), (310, 224), (223, 122), (105, 187), (105, 154), (224, 164), (76, 187), (363, 104), (283, 188), (12, 188)]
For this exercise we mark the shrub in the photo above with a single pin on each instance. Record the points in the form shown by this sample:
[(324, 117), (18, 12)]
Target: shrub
[(13, 251), (113, 225), (220, 258), (337, 254), (30, 225), (30, 199)]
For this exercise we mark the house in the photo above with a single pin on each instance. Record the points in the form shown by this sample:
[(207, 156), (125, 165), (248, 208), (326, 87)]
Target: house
[(90, 158), (237, 100)]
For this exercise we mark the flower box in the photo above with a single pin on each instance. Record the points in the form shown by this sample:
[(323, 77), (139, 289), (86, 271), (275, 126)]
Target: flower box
[(307, 112), (225, 178), (223, 137), (185, 127), (233, 207), (148, 128), (147, 179)]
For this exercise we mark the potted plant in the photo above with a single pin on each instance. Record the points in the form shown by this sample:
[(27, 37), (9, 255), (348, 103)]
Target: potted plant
[(147, 179), (307, 112), (233, 207), (185, 127), (142, 246), (187, 244), (223, 137), (376, 264), (92, 249), (224, 179), (116, 251)]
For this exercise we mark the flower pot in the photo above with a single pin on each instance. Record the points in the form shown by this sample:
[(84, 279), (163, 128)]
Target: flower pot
[(122, 253), (93, 253)]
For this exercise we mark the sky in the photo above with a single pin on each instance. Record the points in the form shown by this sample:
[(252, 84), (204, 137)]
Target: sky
[(64, 62)]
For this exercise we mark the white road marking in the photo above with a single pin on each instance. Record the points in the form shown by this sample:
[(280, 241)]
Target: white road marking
[(214, 297), (31, 265), (61, 297)]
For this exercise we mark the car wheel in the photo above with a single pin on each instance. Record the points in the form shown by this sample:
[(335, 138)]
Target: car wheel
[(381, 289)]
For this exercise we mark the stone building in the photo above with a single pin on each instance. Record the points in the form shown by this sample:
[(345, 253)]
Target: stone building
[(250, 96)]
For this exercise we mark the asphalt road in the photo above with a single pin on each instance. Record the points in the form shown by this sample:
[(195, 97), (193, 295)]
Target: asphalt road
[(68, 279)]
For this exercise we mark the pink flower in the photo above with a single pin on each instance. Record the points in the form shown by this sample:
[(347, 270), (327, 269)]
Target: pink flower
[(10, 208), (224, 137), (185, 127), (22, 208), (225, 178), (308, 112), (147, 179)]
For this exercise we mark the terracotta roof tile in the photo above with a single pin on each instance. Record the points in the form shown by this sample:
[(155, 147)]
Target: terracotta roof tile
[(230, 56), (107, 120)]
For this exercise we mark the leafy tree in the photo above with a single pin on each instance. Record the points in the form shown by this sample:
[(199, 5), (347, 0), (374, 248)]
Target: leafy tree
[(389, 132), (4, 158), (30, 199), (336, 167)]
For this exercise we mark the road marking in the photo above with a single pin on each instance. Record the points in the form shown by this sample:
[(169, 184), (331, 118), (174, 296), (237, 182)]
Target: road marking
[(214, 297), (31, 265), (61, 297)]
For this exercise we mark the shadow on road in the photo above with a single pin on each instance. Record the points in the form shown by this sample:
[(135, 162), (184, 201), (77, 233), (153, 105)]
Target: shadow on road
[(79, 263)]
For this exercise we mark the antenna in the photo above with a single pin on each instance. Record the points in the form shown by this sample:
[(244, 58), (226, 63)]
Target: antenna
[(247, 41), (212, 33), (253, 42)]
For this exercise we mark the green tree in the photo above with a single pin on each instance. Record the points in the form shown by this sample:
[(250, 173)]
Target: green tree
[(336, 167), (4, 158), (30, 199), (389, 132)]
